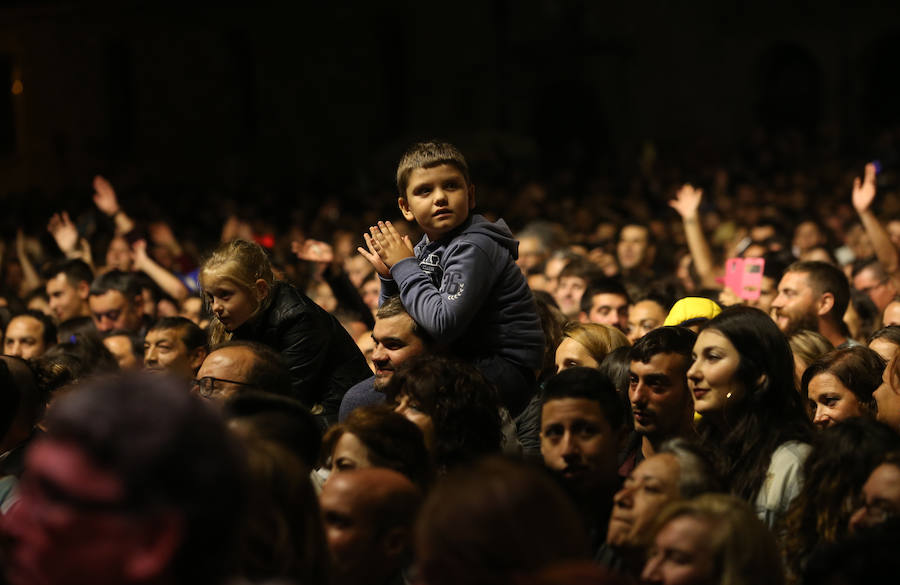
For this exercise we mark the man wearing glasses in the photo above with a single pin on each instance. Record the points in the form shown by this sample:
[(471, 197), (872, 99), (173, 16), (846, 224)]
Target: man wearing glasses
[(238, 366)]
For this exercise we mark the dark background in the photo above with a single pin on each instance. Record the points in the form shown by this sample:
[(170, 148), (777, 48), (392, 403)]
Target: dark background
[(194, 110)]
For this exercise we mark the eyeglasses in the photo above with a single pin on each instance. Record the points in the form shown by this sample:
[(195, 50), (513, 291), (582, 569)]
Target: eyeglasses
[(208, 385)]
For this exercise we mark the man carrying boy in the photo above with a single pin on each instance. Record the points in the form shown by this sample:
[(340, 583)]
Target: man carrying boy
[(460, 283)]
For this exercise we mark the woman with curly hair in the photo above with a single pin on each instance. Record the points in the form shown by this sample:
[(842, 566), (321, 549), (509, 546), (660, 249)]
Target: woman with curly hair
[(752, 416), (842, 458), (376, 436), (455, 406)]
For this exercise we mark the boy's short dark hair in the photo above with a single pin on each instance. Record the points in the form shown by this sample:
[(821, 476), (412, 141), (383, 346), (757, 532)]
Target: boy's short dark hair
[(590, 384), (425, 155), (192, 336), (583, 269), (602, 286), (679, 340), (75, 270)]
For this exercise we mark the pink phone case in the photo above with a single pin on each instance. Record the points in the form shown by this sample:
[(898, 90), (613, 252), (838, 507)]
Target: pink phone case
[(744, 277)]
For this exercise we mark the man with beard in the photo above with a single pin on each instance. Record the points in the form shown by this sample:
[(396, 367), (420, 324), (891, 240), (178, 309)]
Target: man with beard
[(661, 402), (397, 338), (582, 427), (814, 296)]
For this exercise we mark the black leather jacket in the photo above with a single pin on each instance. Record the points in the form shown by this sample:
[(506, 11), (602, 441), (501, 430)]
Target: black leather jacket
[(323, 359)]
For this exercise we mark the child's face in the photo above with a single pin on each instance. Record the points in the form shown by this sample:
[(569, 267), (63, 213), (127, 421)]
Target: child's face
[(232, 304), (438, 199)]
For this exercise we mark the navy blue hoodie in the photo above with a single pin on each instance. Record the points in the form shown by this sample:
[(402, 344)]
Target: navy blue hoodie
[(466, 291)]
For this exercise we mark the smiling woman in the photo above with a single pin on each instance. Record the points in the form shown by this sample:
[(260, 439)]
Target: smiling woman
[(743, 385), (840, 385)]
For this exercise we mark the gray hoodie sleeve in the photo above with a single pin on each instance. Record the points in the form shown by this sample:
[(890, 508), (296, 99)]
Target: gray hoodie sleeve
[(446, 312), (388, 289)]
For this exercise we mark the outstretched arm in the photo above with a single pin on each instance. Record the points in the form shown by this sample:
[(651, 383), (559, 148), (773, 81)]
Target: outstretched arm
[(30, 278), (863, 195), (107, 202), (687, 204), (167, 281)]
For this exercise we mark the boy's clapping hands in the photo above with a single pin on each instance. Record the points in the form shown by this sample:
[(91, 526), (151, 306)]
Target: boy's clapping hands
[(386, 247)]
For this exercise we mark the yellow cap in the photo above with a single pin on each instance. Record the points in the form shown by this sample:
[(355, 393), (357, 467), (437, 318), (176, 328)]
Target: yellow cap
[(690, 309)]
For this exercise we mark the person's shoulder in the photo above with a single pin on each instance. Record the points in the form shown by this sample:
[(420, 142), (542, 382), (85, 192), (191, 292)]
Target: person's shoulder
[(790, 453), (288, 302)]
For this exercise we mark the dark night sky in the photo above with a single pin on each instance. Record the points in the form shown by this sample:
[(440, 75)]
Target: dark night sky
[(321, 98)]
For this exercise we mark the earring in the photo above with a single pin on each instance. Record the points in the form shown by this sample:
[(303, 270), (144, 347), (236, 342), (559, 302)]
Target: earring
[(727, 396)]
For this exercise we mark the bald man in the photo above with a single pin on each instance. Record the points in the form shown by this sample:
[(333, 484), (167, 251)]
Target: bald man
[(368, 516)]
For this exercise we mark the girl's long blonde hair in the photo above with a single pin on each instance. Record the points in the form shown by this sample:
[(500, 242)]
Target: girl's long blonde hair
[(243, 263)]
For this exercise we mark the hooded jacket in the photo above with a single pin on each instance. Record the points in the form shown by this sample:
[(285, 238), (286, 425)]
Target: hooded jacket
[(466, 291)]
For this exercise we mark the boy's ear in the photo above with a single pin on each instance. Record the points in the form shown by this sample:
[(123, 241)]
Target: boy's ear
[(403, 204), (262, 289), (471, 197)]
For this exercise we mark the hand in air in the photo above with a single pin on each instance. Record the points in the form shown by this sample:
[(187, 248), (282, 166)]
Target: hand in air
[(687, 201), (372, 254), (105, 196), (313, 251), (64, 232), (139, 249), (390, 246), (864, 190)]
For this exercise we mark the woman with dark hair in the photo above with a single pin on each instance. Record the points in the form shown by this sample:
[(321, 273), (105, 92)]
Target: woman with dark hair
[(839, 385), (842, 458), (376, 436), (752, 416), (885, 342), (455, 406)]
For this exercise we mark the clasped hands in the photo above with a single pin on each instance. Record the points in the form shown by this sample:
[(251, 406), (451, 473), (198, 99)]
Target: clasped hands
[(386, 247)]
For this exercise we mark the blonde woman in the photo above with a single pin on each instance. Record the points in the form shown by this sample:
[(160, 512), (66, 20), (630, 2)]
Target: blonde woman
[(586, 344)]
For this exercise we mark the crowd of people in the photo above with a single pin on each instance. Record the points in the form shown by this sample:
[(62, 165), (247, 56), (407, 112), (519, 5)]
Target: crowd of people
[(701, 392)]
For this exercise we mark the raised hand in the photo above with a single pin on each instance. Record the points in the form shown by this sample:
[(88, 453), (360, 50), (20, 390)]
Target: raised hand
[(105, 196), (64, 232), (389, 244), (864, 190), (139, 249), (687, 201), (313, 251)]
